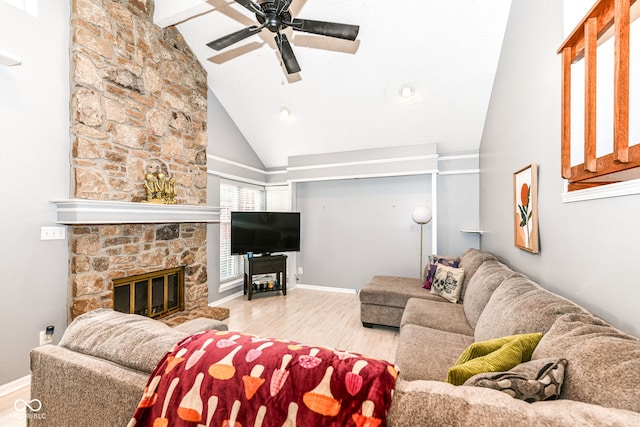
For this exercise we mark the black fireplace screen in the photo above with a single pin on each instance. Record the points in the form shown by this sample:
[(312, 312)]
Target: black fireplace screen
[(152, 294)]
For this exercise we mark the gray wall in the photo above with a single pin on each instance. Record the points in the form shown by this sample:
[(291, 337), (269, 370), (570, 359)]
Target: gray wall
[(588, 250), (457, 210), (225, 141), (34, 169), (213, 243), (355, 229)]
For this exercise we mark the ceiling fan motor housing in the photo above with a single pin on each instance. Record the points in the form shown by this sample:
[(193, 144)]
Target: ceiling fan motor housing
[(274, 22)]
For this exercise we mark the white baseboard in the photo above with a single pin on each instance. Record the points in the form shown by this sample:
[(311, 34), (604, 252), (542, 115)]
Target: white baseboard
[(225, 299), (239, 283), (327, 289), (297, 286), (15, 385)]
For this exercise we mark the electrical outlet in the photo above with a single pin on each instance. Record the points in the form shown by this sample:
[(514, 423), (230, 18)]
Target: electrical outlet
[(300, 270), (45, 338), (52, 233)]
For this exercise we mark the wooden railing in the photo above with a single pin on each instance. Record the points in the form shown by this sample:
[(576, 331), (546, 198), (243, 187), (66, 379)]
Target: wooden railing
[(606, 17)]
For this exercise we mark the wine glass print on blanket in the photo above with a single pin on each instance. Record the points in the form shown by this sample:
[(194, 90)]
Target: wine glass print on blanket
[(229, 379)]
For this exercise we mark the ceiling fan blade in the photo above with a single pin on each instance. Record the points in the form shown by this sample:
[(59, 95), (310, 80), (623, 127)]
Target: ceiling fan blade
[(288, 57), (283, 5), (232, 38), (251, 5), (331, 29)]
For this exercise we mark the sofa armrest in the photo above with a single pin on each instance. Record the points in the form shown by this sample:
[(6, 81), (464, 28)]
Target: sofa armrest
[(200, 324), (81, 390), (437, 403)]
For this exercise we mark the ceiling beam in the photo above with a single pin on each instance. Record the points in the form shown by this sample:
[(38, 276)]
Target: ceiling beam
[(171, 12)]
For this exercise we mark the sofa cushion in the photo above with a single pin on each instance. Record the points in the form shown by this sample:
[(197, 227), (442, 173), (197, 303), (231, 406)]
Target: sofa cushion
[(435, 315), (133, 341), (427, 354), (520, 306), (394, 291), (533, 381), (604, 363), (199, 324), (436, 403), (493, 356), (447, 282), (471, 260), (484, 282)]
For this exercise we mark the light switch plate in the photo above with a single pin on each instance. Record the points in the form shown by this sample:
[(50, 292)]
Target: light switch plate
[(52, 233)]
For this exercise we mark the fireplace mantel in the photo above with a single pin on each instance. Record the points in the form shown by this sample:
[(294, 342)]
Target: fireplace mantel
[(81, 211)]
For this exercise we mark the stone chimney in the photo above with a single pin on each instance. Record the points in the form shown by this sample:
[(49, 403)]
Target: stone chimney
[(138, 105)]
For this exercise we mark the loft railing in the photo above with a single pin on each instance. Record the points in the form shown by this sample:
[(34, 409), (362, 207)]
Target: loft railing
[(606, 18)]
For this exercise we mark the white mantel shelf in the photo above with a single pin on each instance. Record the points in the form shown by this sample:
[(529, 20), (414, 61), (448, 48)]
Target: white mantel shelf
[(80, 211)]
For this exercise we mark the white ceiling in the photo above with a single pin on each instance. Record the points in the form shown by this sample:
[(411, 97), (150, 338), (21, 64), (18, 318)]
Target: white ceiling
[(347, 96)]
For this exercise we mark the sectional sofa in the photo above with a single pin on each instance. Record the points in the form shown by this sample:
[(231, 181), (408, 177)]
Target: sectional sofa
[(98, 372), (599, 383)]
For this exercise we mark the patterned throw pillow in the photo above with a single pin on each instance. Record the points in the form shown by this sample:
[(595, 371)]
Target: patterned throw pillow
[(533, 381), (434, 261), (447, 282)]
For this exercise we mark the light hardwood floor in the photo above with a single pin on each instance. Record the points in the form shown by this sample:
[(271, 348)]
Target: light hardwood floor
[(9, 416), (306, 316), (313, 318)]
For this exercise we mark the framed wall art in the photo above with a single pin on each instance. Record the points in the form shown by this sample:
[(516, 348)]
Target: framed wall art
[(525, 208)]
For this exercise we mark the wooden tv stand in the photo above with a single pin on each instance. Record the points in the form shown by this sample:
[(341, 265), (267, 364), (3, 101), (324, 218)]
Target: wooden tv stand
[(264, 265)]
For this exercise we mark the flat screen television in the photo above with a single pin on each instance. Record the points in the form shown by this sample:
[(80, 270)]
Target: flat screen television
[(265, 232)]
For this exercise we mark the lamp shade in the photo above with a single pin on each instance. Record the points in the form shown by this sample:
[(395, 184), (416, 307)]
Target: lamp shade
[(421, 214)]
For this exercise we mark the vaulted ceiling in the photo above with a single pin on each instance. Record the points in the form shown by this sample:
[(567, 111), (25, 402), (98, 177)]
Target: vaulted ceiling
[(347, 96)]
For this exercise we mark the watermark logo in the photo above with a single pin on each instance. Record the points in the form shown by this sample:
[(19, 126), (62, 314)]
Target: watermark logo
[(34, 405)]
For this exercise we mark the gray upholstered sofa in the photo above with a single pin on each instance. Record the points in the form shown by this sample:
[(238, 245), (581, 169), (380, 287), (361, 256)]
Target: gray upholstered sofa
[(97, 373), (602, 378)]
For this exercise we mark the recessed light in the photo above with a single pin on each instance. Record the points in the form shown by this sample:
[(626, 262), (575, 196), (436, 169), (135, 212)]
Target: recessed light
[(406, 91), (284, 113)]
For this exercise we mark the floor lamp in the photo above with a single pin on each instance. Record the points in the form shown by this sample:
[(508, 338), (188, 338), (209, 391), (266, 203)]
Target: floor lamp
[(421, 215)]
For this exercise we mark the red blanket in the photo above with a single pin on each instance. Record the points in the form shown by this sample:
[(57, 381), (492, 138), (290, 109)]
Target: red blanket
[(228, 379)]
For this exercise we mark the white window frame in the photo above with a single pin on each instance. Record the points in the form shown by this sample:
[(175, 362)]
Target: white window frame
[(244, 197)]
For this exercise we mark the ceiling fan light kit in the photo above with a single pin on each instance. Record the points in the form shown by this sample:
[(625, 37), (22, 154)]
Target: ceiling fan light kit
[(407, 91), (284, 113), (275, 16)]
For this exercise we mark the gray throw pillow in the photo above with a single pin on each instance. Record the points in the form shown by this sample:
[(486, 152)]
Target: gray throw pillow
[(532, 381)]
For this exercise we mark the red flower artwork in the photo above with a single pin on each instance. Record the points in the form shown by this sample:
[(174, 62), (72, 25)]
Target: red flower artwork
[(525, 212)]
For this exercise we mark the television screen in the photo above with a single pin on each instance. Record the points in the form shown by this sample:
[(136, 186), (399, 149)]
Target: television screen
[(265, 232)]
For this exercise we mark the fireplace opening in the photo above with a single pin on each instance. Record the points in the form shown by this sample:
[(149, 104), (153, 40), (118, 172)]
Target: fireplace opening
[(156, 294)]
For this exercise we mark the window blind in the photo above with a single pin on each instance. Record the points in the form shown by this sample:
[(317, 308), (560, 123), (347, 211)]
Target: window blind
[(235, 196)]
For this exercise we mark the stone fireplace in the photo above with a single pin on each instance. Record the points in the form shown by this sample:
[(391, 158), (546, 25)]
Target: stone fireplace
[(102, 253), (138, 106)]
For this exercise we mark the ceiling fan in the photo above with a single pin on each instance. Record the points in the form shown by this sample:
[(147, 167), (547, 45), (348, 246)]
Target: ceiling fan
[(275, 16)]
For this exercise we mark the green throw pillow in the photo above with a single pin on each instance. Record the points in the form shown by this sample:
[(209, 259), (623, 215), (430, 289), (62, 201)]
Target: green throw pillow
[(496, 355)]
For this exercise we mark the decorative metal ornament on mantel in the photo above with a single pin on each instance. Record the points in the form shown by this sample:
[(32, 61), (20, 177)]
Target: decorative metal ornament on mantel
[(159, 189), (421, 215)]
